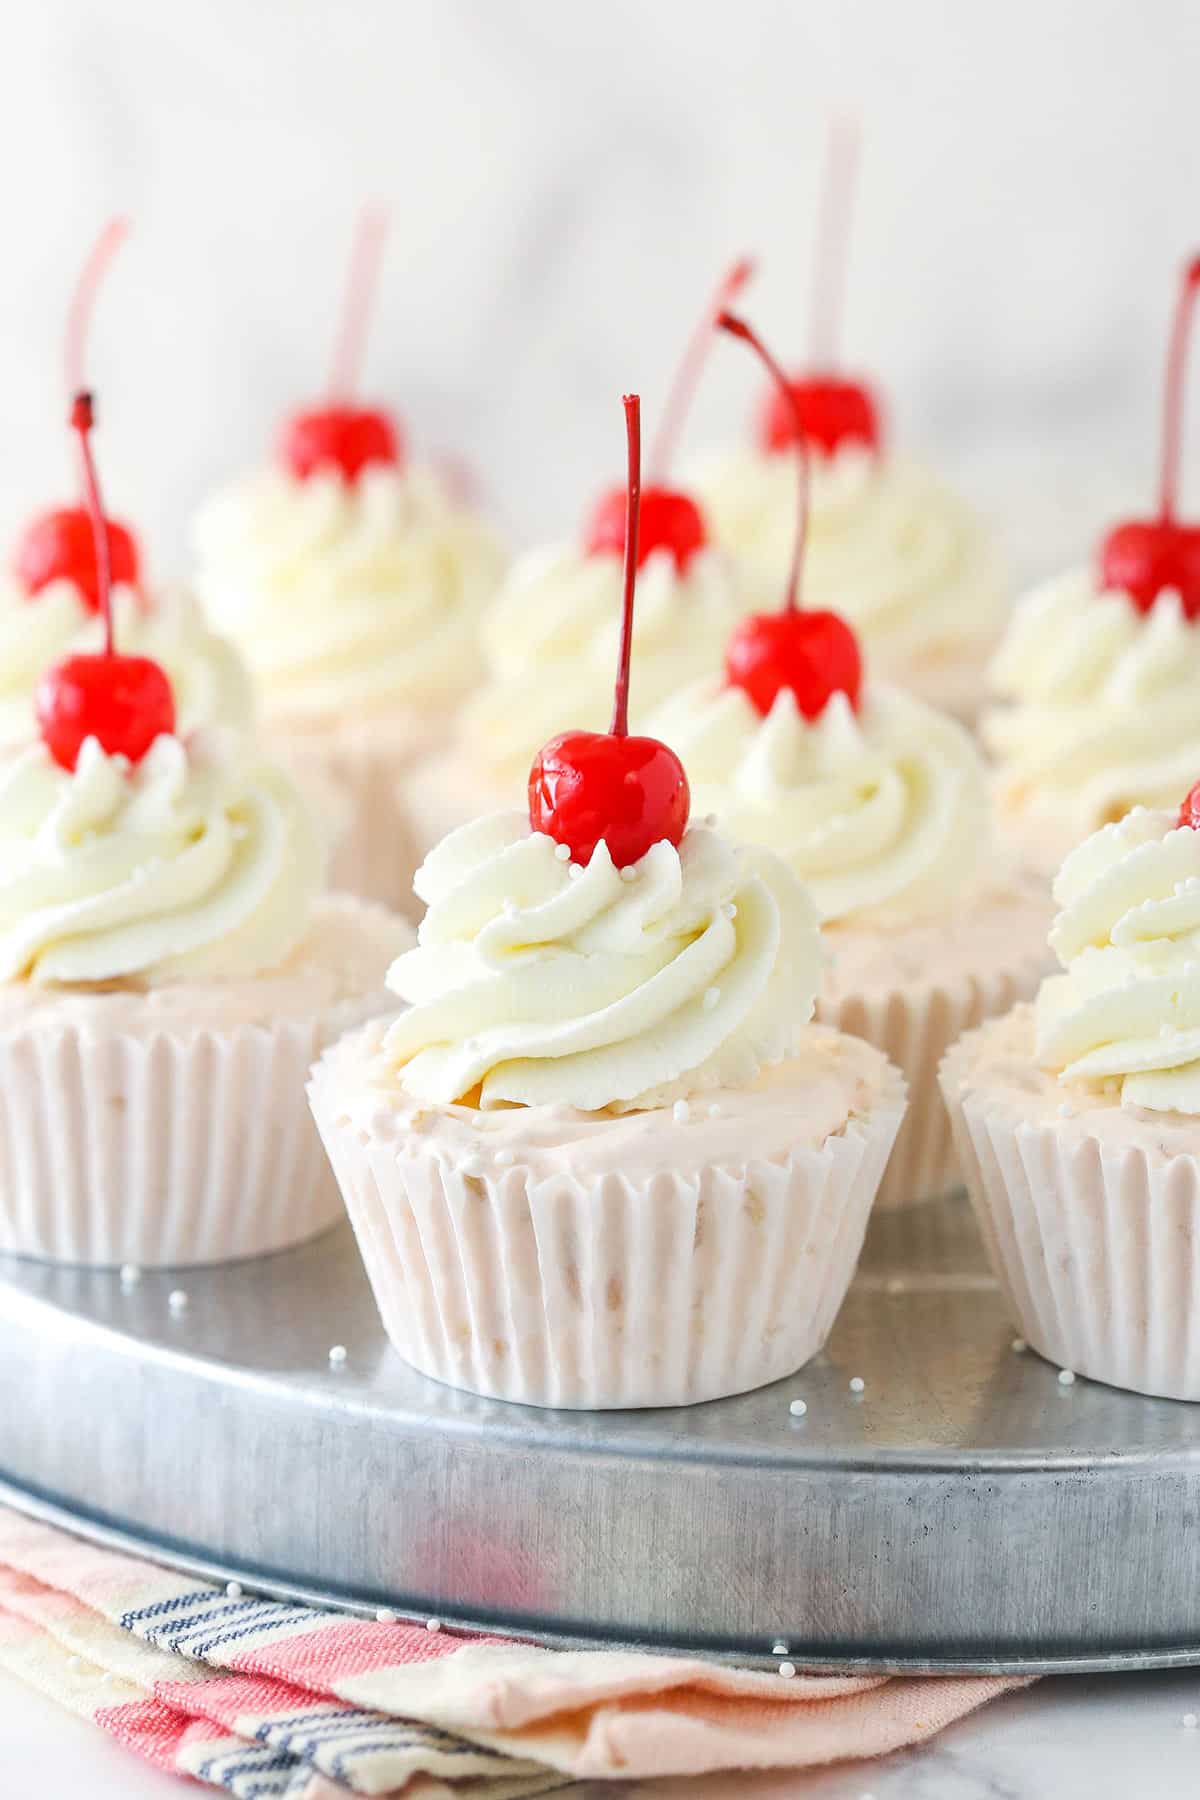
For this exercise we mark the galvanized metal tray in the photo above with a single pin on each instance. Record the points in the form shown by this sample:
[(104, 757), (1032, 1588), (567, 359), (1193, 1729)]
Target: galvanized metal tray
[(965, 1510)]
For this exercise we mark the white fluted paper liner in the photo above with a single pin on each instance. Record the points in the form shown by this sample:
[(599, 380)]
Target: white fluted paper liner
[(1096, 1244), (914, 1025), (356, 778), (164, 1150), (609, 1292)]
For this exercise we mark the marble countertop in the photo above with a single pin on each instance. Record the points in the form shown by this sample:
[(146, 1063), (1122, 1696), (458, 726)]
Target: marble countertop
[(1106, 1737)]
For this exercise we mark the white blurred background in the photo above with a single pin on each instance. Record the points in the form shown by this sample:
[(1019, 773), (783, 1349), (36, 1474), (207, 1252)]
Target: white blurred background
[(566, 179)]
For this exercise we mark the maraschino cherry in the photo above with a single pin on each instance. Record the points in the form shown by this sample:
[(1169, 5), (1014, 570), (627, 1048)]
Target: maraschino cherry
[(670, 519), (828, 407), (1145, 557), (591, 786), (1189, 812), (60, 545), (813, 654), (123, 701), (340, 435)]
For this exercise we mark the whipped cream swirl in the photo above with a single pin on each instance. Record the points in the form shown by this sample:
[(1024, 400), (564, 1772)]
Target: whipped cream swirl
[(210, 682), (1127, 1011), (1102, 711), (201, 860), (539, 983), (550, 642), (881, 813), (903, 558), (347, 597)]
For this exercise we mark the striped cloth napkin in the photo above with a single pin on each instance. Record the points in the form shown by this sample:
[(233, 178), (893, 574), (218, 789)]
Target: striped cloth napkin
[(266, 1698)]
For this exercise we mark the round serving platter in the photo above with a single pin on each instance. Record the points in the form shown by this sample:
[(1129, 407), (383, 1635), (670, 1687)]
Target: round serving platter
[(965, 1510)]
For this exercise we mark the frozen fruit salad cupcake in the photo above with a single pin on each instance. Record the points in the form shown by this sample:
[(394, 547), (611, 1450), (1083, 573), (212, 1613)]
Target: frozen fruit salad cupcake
[(1096, 677), (168, 971), (1078, 1118), (879, 805), (353, 580), (604, 1159)]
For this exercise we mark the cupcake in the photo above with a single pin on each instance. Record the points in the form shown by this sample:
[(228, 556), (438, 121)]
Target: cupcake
[(1096, 676), (1078, 1118), (353, 580), (604, 1159), (878, 804), (168, 971)]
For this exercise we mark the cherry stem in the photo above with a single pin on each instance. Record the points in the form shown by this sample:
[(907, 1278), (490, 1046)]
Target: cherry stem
[(83, 300), (691, 366), (1177, 350), (738, 328), (633, 511), (832, 248), (82, 419), (366, 256)]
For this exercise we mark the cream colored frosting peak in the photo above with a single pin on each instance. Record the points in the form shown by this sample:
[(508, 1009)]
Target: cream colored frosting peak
[(889, 546), (210, 682), (348, 596), (1101, 710), (537, 982), (883, 813), (550, 641), (1127, 1010), (200, 861)]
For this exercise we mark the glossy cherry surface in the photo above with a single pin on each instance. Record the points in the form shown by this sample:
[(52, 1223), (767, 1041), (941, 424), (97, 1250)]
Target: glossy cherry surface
[(1148, 557), (124, 701), (347, 439), (591, 786), (829, 409), (1189, 812), (670, 520), (813, 654), (61, 546)]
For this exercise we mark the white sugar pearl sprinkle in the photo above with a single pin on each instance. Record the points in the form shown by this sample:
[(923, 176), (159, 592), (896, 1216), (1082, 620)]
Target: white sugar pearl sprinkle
[(575, 871), (798, 1408), (713, 1111), (74, 1662), (681, 1112), (1066, 1378), (562, 852), (385, 1616), (433, 1624), (857, 1384), (234, 1589), (177, 1300), (130, 1274), (629, 872), (1190, 1721), (472, 1165), (779, 1647), (787, 1670), (1019, 1346), (505, 1159), (729, 909), (337, 1353)]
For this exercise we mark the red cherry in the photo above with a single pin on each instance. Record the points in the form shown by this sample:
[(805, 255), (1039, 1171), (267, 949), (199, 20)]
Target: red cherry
[(586, 787), (815, 654), (629, 791), (125, 701), (345, 438), (60, 546), (670, 521), (1148, 557), (831, 412), (1189, 812)]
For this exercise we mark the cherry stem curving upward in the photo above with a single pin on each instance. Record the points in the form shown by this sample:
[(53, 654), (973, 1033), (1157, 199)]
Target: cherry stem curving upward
[(738, 328), (366, 255), (1177, 350), (832, 248), (633, 509), (82, 419), (691, 366), (83, 300)]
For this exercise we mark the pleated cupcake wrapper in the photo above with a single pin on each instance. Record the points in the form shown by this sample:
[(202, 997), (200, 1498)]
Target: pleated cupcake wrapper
[(376, 850), (164, 1151), (606, 1292), (1096, 1246), (914, 1026)]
